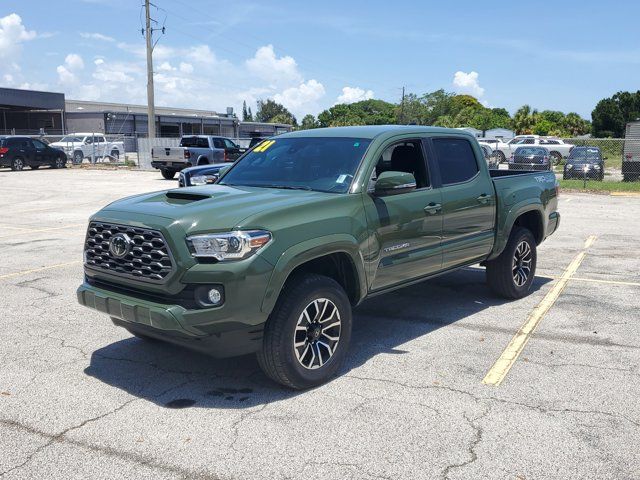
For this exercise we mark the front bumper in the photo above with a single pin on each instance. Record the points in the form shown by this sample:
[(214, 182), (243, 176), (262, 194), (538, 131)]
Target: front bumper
[(221, 336), (580, 173)]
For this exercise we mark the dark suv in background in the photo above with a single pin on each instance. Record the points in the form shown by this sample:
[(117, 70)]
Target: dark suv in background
[(584, 162), (19, 152)]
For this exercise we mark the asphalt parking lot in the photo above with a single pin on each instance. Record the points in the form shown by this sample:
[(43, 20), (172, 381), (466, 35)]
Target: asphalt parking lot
[(81, 398)]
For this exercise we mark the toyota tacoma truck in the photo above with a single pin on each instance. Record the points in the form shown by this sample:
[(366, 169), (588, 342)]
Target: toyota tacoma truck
[(193, 150), (273, 257)]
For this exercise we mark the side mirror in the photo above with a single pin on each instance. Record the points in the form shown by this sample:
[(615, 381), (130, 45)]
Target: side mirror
[(394, 183)]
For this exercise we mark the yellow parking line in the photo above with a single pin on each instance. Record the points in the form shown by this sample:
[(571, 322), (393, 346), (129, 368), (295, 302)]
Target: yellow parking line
[(589, 241), (34, 270), (38, 230), (609, 282), (501, 367), (625, 194)]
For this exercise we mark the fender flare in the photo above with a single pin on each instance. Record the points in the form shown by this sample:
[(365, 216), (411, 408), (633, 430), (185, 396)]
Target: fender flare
[(203, 157), (311, 249), (503, 231)]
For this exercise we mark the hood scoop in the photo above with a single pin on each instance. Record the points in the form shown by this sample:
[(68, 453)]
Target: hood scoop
[(185, 197)]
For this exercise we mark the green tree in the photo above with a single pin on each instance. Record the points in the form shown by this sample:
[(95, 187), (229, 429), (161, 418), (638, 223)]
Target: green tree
[(249, 115), (542, 127), (608, 118), (308, 122), (524, 120), (245, 113), (270, 111), (574, 125), (366, 112)]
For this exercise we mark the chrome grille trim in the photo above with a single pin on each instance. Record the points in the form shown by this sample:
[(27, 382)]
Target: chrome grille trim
[(149, 259)]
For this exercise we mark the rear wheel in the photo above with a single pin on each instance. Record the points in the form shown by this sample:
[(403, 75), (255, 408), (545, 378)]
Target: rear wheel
[(556, 157), (167, 174), (500, 156), (307, 335), (115, 154), (78, 157), (17, 164), (511, 274)]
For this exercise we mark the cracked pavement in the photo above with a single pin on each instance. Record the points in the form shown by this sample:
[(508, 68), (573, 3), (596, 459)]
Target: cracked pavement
[(81, 398)]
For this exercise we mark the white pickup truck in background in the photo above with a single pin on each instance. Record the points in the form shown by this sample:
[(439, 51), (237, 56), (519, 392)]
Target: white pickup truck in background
[(93, 146), (558, 149)]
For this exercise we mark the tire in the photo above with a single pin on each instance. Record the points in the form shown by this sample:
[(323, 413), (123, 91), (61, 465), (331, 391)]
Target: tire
[(556, 158), (115, 155), (500, 156), (17, 164), (305, 367), (34, 167), (78, 157), (60, 162), (167, 174), (564, 176), (508, 278)]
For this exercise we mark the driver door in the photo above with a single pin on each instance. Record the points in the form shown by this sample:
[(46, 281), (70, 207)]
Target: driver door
[(406, 228), (41, 154)]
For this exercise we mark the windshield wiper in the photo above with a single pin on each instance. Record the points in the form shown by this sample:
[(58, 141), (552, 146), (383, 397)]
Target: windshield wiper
[(284, 187)]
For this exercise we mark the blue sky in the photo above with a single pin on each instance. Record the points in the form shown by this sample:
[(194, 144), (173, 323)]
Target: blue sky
[(310, 55)]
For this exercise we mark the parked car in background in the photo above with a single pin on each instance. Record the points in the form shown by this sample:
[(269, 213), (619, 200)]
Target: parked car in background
[(18, 152), (584, 162), (489, 154), (530, 158), (201, 175), (79, 146), (272, 258), (631, 154), (194, 150), (558, 149)]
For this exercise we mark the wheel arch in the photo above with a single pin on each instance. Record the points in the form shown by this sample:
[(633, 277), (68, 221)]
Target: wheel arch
[(530, 216), (202, 160), (335, 256)]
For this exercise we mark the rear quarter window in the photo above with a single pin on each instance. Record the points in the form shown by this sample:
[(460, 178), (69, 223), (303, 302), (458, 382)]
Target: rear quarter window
[(456, 160)]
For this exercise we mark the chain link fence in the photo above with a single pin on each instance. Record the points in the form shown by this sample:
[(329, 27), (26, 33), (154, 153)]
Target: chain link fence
[(93, 148), (584, 159)]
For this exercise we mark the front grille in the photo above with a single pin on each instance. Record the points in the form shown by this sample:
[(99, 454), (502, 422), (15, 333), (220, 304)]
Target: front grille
[(148, 257)]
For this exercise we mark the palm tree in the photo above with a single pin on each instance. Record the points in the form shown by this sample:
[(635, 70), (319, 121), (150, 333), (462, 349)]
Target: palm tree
[(524, 120)]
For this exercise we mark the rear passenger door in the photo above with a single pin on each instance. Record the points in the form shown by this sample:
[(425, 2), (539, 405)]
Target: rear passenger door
[(468, 201)]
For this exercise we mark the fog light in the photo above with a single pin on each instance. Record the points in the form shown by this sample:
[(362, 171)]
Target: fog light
[(215, 297)]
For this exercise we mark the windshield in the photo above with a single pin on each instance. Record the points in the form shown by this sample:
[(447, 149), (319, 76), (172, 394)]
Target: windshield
[(312, 163), (70, 139), (578, 154), (530, 151)]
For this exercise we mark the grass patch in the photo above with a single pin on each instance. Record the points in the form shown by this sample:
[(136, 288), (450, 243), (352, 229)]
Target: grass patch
[(604, 186)]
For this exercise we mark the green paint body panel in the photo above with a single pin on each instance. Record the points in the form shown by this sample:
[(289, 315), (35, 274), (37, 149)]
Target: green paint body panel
[(390, 241)]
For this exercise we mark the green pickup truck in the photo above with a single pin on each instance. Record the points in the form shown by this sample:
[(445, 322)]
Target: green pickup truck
[(305, 226)]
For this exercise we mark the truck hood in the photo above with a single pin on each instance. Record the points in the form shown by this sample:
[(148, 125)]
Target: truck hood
[(211, 208)]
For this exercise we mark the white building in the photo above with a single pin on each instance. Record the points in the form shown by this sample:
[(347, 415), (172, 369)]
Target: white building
[(502, 133)]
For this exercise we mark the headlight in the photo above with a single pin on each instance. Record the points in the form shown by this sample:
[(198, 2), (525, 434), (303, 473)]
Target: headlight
[(204, 179), (569, 166), (596, 167), (228, 246)]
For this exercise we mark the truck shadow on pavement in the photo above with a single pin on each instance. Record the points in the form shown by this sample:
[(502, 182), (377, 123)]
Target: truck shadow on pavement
[(173, 377)]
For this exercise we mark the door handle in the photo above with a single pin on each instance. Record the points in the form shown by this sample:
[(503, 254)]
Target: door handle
[(484, 198), (433, 208)]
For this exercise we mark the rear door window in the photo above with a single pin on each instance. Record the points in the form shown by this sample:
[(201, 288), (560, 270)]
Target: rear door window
[(456, 160)]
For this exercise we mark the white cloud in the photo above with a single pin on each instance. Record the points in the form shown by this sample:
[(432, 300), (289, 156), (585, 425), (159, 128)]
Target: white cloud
[(165, 67), (65, 77), (73, 61), (277, 71), (98, 61), (301, 99), (186, 67), (354, 94), (12, 34), (467, 83), (97, 36)]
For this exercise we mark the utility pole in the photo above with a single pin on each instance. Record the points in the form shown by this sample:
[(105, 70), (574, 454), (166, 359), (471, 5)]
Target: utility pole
[(402, 108), (151, 109)]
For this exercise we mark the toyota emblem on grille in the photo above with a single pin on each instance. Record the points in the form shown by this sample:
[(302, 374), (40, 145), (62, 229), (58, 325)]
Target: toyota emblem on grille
[(119, 245)]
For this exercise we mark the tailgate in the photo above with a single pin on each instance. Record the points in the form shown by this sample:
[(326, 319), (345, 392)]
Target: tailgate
[(169, 154)]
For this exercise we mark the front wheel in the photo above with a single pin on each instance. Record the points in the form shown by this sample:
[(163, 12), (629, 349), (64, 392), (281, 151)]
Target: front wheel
[(167, 174), (556, 158), (501, 157), (78, 157), (307, 335), (511, 274), (115, 155)]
